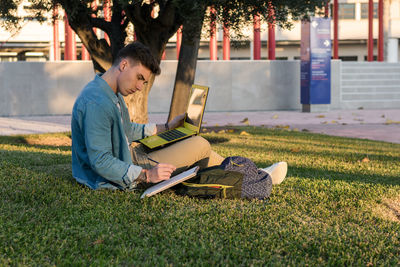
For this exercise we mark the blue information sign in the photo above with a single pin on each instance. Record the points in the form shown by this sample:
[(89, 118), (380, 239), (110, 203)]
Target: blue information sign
[(316, 61)]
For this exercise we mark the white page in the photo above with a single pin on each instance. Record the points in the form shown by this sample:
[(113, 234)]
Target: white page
[(171, 182)]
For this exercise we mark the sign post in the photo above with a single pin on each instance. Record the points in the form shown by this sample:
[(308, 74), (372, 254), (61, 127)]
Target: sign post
[(315, 64)]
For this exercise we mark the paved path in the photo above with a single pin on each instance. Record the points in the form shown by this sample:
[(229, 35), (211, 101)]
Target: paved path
[(383, 125)]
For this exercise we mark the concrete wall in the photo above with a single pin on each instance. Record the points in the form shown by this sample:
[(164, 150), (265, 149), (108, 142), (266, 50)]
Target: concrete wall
[(236, 85), (50, 88), (41, 88)]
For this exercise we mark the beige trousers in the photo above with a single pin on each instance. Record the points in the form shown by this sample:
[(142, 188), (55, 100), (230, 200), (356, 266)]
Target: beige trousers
[(187, 152)]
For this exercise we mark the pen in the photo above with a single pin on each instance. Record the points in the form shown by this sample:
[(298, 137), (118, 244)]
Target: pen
[(154, 161)]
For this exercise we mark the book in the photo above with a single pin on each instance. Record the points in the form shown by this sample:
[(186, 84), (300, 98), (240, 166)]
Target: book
[(151, 191)]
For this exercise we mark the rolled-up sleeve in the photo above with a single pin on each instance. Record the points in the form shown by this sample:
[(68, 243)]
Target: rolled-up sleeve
[(149, 129), (132, 175), (139, 131)]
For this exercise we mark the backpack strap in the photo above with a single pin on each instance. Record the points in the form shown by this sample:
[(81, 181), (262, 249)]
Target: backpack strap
[(217, 186), (234, 163)]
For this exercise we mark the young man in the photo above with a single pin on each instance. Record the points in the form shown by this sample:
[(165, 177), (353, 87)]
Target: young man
[(102, 133)]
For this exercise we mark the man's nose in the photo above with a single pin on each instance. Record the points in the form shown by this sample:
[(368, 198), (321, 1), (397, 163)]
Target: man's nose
[(139, 86)]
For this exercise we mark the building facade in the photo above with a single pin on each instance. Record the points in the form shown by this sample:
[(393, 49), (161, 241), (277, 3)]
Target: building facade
[(34, 41)]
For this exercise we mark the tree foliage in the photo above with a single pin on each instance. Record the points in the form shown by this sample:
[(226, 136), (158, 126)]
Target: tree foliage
[(155, 22), (155, 30)]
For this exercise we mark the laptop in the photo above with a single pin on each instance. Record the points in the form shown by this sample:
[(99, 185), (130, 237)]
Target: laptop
[(192, 122)]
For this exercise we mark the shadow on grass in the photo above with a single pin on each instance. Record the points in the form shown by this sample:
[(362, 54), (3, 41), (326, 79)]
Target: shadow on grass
[(353, 159), (324, 143), (351, 156), (55, 164), (55, 161), (315, 138), (216, 139), (59, 141), (318, 174)]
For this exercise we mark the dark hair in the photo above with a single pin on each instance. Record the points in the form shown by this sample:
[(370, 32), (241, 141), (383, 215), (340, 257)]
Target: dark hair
[(139, 53)]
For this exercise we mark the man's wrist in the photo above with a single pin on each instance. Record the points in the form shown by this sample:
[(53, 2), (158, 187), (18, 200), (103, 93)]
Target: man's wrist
[(143, 177)]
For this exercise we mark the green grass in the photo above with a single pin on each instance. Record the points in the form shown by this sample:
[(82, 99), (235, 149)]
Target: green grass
[(338, 206)]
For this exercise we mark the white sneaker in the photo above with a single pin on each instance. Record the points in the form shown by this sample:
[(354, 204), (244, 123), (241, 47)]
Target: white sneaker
[(277, 172)]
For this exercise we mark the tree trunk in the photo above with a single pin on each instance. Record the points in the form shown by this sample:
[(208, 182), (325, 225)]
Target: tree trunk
[(153, 33), (80, 21), (138, 102), (99, 50), (102, 60), (186, 70)]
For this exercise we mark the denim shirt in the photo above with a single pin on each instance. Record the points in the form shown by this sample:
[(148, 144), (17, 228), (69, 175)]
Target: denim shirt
[(101, 134)]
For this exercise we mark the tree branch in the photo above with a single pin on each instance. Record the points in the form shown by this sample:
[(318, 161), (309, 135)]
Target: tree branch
[(101, 24), (116, 13), (80, 20), (168, 16), (135, 14)]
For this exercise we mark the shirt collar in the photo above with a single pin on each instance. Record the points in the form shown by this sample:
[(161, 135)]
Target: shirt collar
[(106, 88)]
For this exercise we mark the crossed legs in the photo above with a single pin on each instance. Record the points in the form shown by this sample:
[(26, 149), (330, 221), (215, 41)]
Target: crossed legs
[(187, 152)]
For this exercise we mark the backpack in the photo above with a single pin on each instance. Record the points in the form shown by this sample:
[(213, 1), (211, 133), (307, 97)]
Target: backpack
[(236, 177)]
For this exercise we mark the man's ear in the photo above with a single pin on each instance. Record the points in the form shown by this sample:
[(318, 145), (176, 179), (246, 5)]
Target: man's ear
[(123, 64)]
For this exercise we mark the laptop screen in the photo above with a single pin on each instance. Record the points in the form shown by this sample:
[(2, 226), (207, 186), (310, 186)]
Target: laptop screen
[(196, 105)]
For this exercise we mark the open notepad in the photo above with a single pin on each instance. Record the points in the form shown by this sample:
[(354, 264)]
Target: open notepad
[(171, 182)]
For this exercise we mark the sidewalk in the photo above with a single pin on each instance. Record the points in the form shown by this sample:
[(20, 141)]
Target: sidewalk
[(382, 125)]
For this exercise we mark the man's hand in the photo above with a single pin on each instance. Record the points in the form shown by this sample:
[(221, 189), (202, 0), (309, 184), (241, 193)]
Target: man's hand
[(177, 121), (160, 172)]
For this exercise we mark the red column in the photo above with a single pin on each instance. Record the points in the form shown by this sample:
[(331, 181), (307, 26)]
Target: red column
[(66, 45), (56, 38), (178, 41), (107, 16), (226, 44), (335, 29), (271, 34), (380, 31), (213, 36), (256, 38), (370, 44), (70, 43), (271, 41), (85, 54)]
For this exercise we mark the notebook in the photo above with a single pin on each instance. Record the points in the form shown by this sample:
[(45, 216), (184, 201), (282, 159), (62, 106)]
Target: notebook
[(171, 182), (191, 125)]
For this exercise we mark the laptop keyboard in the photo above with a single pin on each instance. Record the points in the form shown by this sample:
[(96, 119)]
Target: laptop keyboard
[(172, 135)]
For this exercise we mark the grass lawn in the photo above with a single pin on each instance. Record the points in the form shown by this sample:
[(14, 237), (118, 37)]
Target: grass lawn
[(340, 205)]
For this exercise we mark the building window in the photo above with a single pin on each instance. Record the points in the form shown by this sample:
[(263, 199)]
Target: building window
[(364, 10), (347, 11), (348, 58), (374, 58)]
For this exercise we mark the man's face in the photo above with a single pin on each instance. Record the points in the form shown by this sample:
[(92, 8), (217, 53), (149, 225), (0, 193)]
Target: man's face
[(132, 77)]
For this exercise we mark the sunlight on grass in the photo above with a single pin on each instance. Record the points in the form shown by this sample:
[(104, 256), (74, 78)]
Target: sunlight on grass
[(339, 205)]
